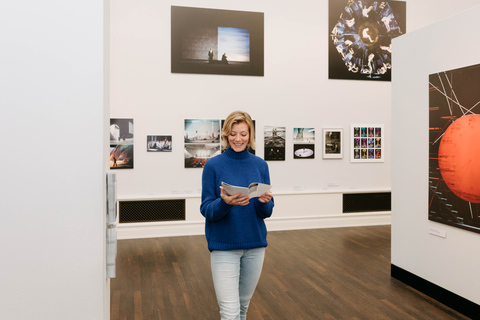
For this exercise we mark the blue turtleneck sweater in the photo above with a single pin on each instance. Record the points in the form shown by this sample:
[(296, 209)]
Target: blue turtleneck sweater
[(230, 227)]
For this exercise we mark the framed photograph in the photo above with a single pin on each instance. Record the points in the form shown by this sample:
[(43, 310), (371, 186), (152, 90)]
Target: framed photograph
[(367, 143), (454, 153), (211, 41), (332, 143), (360, 35)]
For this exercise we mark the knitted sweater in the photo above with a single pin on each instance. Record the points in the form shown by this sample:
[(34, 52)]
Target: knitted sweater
[(229, 227)]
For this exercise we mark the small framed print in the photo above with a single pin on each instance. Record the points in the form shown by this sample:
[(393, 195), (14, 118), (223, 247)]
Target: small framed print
[(367, 143), (332, 143)]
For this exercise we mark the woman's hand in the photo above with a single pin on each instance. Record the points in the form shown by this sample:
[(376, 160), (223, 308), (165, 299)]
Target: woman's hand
[(235, 200), (267, 196)]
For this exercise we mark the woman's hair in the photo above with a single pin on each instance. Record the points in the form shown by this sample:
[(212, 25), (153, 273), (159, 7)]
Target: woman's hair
[(238, 117)]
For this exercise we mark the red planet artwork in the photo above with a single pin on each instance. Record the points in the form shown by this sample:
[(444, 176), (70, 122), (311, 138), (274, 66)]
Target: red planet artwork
[(454, 152)]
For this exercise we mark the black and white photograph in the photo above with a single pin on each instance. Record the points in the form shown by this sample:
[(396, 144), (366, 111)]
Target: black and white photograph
[(212, 41), (366, 143), (274, 143), (454, 155), (121, 131), (360, 35), (332, 143), (159, 143)]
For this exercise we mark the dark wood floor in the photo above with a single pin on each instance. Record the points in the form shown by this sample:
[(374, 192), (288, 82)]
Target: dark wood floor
[(341, 273)]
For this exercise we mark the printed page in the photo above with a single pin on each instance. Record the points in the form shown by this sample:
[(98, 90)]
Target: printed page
[(231, 190)]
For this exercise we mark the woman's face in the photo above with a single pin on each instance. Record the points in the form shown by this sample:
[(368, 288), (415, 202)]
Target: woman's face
[(239, 136)]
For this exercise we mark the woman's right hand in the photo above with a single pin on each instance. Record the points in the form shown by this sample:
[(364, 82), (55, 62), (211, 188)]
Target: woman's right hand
[(235, 200)]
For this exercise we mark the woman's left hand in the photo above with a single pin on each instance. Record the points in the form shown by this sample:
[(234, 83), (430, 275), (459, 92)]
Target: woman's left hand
[(267, 196)]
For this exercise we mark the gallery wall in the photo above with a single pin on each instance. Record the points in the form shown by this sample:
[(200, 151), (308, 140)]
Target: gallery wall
[(294, 92), (441, 254)]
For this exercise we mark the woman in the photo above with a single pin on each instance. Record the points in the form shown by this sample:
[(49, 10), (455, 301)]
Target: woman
[(234, 228)]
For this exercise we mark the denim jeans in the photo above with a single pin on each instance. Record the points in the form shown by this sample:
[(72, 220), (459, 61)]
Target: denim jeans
[(235, 277)]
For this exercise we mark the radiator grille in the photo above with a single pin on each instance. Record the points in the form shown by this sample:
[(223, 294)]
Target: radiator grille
[(367, 202), (151, 210)]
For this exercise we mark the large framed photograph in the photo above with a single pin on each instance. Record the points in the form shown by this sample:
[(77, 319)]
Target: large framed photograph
[(332, 143), (367, 143), (211, 41), (454, 148)]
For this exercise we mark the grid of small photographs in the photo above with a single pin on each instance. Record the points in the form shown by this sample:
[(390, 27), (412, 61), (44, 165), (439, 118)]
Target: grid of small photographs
[(303, 143), (274, 138), (121, 143), (202, 141), (159, 143), (367, 143)]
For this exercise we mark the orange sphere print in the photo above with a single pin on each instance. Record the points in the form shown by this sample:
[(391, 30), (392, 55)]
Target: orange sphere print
[(459, 158)]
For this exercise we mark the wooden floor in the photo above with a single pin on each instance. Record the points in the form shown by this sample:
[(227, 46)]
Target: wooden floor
[(341, 273)]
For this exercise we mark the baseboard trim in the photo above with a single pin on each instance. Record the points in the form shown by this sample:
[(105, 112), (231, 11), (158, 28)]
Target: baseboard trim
[(448, 298)]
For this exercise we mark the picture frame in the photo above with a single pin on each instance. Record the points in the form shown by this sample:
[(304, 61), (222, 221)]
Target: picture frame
[(367, 143), (332, 143)]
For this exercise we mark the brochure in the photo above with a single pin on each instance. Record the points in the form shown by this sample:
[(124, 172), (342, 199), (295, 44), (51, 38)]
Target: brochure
[(254, 189)]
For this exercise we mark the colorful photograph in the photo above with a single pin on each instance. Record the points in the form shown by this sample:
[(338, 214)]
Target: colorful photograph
[(360, 35), (454, 148)]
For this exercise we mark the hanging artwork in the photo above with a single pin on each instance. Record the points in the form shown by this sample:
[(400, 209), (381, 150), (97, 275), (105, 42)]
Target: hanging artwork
[(303, 143), (202, 141), (159, 143), (274, 143), (332, 143), (454, 155), (211, 41), (121, 143), (367, 143), (360, 34)]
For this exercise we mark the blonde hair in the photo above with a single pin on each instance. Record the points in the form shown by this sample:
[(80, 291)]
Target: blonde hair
[(238, 117)]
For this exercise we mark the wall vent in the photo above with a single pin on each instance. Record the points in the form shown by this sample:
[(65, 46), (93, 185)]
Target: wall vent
[(151, 211), (367, 202)]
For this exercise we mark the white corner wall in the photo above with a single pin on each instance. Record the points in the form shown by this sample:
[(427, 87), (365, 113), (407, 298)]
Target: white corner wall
[(53, 160), (452, 262)]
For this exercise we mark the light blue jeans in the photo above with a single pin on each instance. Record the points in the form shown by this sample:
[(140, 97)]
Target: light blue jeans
[(235, 277)]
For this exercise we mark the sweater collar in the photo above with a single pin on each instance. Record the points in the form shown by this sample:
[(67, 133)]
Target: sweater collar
[(237, 155)]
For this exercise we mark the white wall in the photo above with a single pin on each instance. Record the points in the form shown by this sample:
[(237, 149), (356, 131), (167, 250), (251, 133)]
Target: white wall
[(54, 152), (452, 262)]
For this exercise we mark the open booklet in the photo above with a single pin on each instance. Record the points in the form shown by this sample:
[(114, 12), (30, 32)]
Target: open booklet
[(254, 189)]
